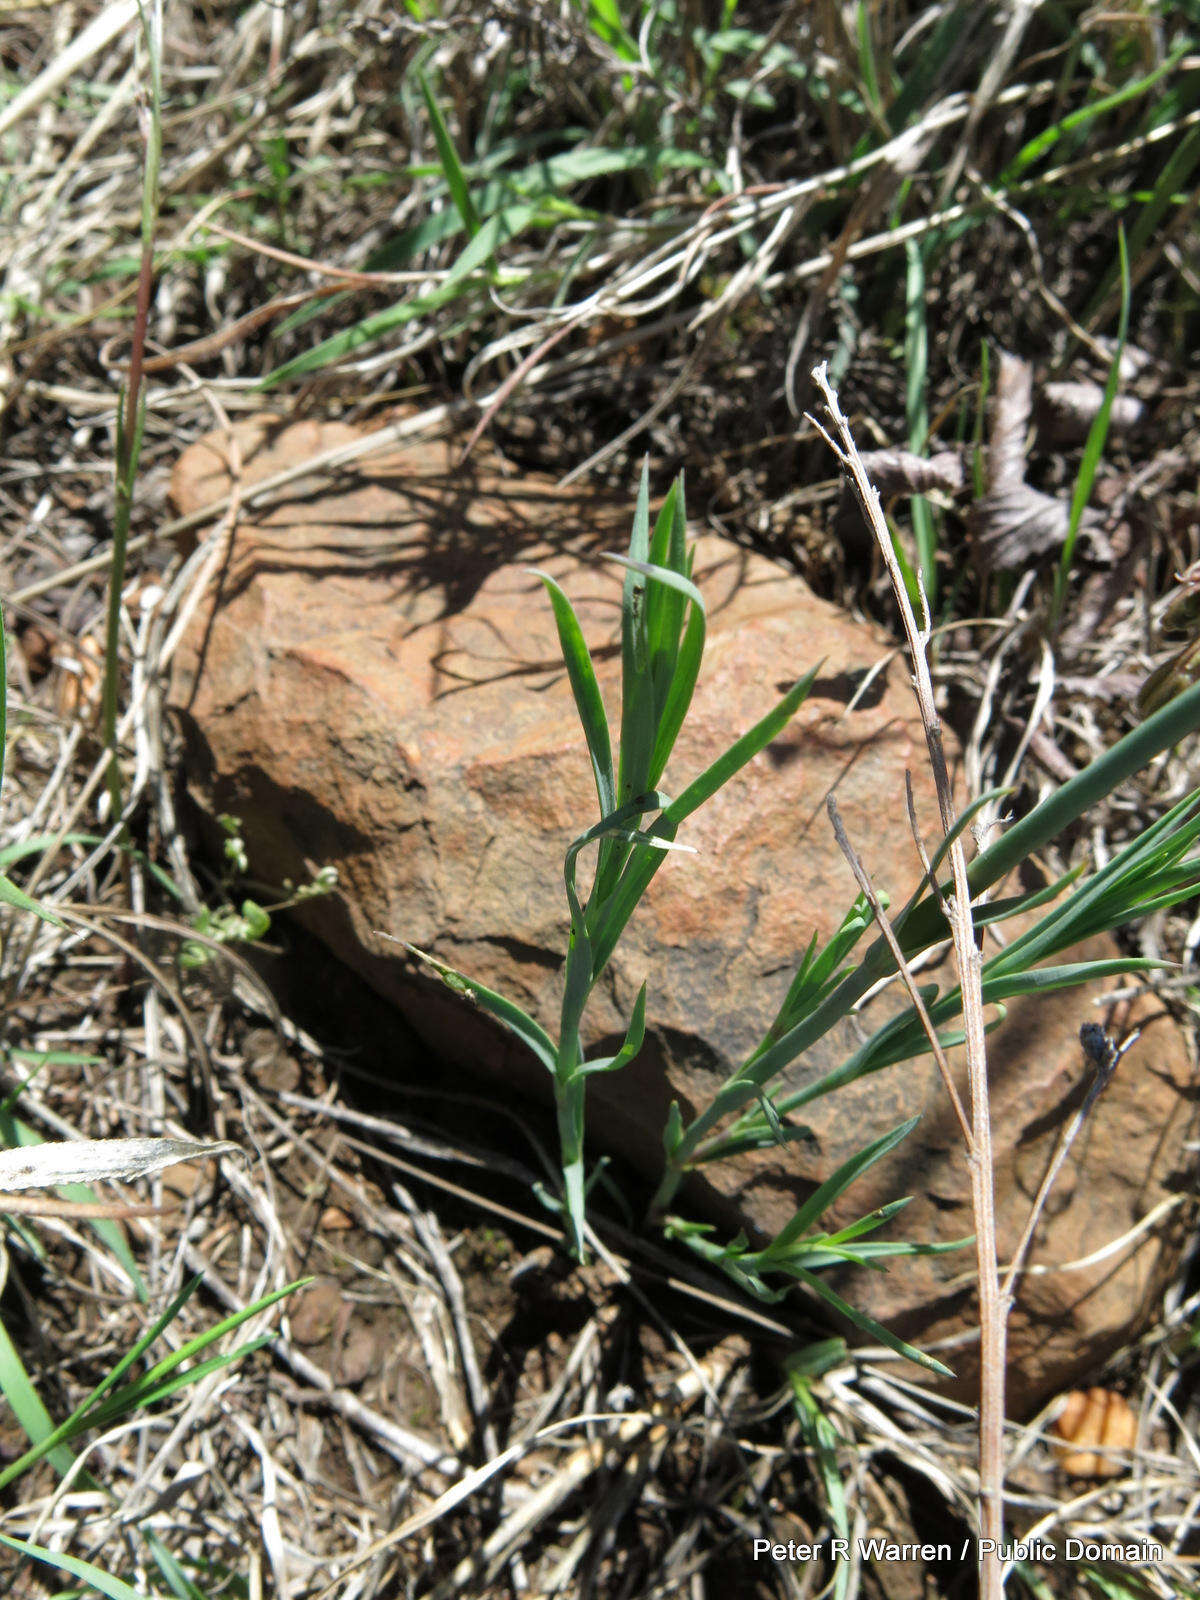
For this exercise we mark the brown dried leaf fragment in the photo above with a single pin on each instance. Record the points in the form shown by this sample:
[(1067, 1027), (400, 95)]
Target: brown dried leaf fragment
[(901, 472), (1093, 1425), (1008, 419), (1067, 410), (1013, 523)]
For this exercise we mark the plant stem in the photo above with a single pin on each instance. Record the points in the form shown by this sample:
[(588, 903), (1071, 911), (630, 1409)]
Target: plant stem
[(131, 411), (969, 961)]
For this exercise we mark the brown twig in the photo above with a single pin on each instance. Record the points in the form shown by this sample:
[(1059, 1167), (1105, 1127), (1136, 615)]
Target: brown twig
[(1104, 1057)]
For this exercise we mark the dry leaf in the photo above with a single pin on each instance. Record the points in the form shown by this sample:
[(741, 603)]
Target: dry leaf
[(1094, 1423), (1066, 411), (1013, 523), (42, 1166), (901, 472)]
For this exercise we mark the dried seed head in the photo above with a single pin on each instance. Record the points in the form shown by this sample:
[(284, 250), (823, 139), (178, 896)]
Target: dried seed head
[(1093, 1424)]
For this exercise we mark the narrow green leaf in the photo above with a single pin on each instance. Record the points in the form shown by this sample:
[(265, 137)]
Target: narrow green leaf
[(505, 1011), (114, 1588), (78, 1420), (1171, 188), (637, 712), (642, 866), (866, 60), (742, 751), (27, 1407), (755, 1136), (1035, 148), (362, 333), (1164, 729), (36, 843), (12, 896), (664, 605), (822, 1439), (663, 575), (456, 180), (588, 701), (679, 693), (916, 365), (497, 230), (834, 1186), (635, 1035), (1097, 435), (165, 1377), (148, 1391), (604, 16), (869, 1325)]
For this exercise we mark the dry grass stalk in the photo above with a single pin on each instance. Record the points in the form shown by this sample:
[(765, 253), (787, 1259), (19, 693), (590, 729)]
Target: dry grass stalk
[(968, 960)]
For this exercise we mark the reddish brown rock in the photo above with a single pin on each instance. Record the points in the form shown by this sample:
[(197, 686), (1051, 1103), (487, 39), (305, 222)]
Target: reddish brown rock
[(377, 686)]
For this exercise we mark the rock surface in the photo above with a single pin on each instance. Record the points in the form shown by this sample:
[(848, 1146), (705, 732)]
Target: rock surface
[(375, 685)]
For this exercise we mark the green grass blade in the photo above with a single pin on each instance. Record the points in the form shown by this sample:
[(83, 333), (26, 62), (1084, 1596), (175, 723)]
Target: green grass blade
[(822, 1440), (588, 701), (665, 605), (637, 713), (497, 230), (1037, 147), (866, 62), (934, 62), (916, 365), (362, 333), (165, 1377), (85, 1571), (456, 180), (150, 1390), (1094, 448), (604, 19), (1172, 185), (177, 1580), (79, 1418), (635, 1036), (743, 750), (679, 693), (26, 1406), (660, 656), (10, 895), (1177, 720)]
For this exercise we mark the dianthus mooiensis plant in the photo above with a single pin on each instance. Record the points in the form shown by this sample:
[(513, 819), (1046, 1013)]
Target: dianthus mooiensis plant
[(662, 644)]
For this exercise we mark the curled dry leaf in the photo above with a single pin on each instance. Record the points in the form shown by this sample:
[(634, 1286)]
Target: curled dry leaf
[(42, 1166), (901, 472), (1008, 424), (1013, 523), (1093, 1424), (1067, 410), (81, 672)]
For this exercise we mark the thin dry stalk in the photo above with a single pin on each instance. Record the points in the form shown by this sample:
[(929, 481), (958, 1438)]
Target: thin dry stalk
[(967, 957)]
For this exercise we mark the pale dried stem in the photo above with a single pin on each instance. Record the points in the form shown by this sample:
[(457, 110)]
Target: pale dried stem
[(958, 914), (902, 966)]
